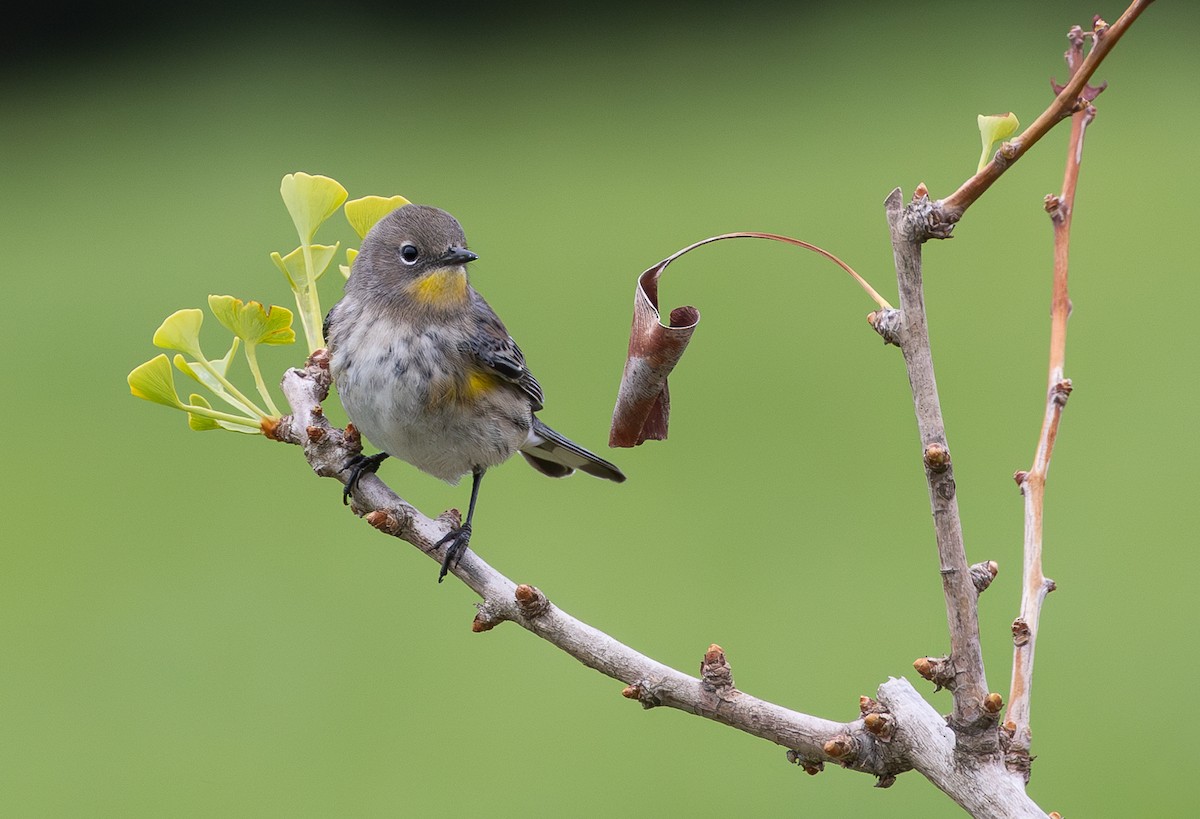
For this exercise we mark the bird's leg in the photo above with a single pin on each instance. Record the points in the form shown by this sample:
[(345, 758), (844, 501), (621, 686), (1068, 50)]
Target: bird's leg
[(358, 466), (459, 537)]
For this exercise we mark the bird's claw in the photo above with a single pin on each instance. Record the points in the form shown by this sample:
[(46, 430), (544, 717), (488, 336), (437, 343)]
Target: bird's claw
[(456, 541), (358, 466)]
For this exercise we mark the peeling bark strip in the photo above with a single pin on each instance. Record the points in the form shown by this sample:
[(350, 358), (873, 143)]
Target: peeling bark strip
[(643, 403)]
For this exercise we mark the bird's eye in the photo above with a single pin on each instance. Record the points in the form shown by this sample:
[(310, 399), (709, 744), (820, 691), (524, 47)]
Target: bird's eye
[(409, 254)]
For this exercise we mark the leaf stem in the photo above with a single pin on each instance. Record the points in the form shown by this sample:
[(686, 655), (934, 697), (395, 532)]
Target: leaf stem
[(233, 391), (251, 351)]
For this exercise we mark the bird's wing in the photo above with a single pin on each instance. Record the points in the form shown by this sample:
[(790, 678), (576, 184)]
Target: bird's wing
[(495, 350)]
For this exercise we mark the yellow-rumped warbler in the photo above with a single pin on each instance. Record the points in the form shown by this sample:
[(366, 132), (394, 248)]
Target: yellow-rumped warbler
[(426, 370)]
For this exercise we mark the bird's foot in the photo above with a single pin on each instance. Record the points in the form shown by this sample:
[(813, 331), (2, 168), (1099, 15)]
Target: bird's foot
[(358, 466), (455, 541)]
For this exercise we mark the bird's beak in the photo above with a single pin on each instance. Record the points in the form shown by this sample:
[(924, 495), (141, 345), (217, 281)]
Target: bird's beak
[(458, 255)]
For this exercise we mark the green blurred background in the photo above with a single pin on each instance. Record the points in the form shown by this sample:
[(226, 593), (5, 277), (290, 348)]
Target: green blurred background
[(193, 625)]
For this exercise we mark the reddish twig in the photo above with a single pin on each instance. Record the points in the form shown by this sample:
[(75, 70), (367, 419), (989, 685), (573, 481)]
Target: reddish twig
[(1033, 482), (1070, 99)]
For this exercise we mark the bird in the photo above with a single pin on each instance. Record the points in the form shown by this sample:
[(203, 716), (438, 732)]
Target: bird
[(427, 371)]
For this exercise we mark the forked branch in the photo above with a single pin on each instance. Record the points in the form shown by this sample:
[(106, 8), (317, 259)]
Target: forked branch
[(1072, 98)]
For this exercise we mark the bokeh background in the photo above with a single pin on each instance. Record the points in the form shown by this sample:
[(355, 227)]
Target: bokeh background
[(193, 625)]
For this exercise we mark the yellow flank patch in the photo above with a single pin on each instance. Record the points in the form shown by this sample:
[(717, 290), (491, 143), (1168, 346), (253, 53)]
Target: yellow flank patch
[(465, 391), (441, 288), (478, 382)]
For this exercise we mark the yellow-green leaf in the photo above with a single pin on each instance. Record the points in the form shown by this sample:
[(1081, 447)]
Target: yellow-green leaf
[(181, 331), (253, 323), (154, 381), (200, 374), (365, 212), (310, 200), (995, 128), (351, 255), (221, 365), (292, 265), (201, 423)]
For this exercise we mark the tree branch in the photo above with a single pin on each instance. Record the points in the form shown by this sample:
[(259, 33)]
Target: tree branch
[(899, 731), (811, 741), (980, 785), (1033, 483), (1070, 99), (967, 681)]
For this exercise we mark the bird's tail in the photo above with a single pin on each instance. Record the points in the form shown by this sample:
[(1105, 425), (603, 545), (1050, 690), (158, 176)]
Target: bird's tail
[(556, 456)]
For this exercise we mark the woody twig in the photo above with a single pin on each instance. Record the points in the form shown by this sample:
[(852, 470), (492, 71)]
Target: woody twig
[(1036, 585), (1069, 99)]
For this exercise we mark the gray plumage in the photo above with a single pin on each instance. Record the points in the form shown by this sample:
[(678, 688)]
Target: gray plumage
[(426, 370)]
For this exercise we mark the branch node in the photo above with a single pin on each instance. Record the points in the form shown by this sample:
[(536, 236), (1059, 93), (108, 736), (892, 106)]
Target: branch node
[(531, 602), (920, 192), (315, 434), (487, 617), (937, 457), (451, 519), (812, 767), (993, 702), (1021, 476), (1020, 632), (1060, 392), (1053, 205), (881, 725), (641, 692), (888, 323), (1049, 585), (885, 780), (715, 673), (945, 490), (938, 670), (386, 522), (841, 748), (923, 220), (870, 705), (982, 574), (1020, 763)]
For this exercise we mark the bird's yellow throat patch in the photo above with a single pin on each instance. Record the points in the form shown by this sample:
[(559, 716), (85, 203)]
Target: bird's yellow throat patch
[(444, 287)]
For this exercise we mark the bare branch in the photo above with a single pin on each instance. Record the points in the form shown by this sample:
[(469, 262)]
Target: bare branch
[(811, 741), (1033, 482), (979, 784), (966, 681)]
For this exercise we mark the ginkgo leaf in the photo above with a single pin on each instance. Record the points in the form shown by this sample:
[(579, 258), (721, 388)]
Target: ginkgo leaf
[(292, 265), (310, 200), (362, 214), (253, 323), (181, 331), (351, 255), (154, 381), (995, 128), (201, 423)]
